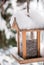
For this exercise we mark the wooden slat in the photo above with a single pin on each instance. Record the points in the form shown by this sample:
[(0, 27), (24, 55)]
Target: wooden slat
[(24, 44), (31, 60), (41, 59), (38, 41), (32, 30), (18, 42)]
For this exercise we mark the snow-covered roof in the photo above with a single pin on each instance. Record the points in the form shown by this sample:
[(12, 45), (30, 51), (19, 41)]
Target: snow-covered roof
[(35, 21)]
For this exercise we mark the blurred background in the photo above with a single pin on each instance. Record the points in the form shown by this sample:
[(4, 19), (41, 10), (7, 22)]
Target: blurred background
[(7, 9)]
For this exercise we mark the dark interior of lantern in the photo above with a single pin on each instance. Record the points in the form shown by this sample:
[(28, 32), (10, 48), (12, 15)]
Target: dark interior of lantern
[(31, 45)]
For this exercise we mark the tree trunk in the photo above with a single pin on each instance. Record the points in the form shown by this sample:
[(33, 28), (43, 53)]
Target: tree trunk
[(37, 1), (2, 10), (28, 1), (0, 37), (21, 1), (27, 6), (1, 6)]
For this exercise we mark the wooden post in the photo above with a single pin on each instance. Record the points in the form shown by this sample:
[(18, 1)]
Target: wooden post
[(38, 41), (24, 44), (18, 43)]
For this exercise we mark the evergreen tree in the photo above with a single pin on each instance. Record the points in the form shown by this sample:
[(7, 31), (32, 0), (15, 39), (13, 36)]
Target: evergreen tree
[(6, 16)]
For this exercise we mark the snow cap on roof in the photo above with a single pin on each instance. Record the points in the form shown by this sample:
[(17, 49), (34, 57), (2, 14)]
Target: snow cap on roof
[(35, 20)]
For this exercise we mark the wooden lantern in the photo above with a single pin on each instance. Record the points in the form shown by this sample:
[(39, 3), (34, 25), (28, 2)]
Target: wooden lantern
[(28, 48), (26, 45)]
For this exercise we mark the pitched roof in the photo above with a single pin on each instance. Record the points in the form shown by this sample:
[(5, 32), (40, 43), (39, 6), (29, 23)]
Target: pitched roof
[(35, 21)]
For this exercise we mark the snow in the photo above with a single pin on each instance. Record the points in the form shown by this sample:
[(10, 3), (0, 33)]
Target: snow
[(2, 23), (14, 52), (36, 19), (7, 59)]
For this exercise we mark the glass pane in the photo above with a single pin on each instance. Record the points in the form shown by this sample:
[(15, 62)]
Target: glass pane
[(28, 34), (42, 44), (31, 44), (20, 37)]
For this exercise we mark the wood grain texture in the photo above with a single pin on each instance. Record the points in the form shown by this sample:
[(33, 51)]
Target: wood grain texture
[(18, 43), (38, 42), (24, 44), (31, 60), (32, 30)]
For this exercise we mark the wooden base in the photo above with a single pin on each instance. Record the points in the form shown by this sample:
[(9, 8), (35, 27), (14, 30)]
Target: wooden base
[(25, 61)]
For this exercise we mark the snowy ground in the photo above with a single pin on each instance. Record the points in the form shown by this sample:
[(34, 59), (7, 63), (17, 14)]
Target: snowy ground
[(7, 59)]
